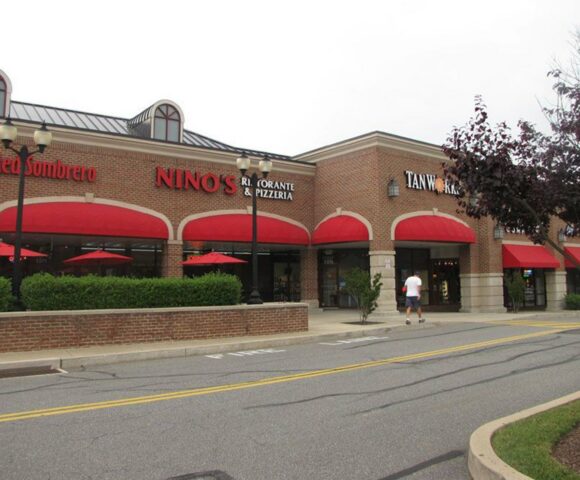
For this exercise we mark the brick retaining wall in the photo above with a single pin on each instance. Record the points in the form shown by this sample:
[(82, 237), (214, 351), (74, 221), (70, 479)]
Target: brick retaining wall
[(25, 331)]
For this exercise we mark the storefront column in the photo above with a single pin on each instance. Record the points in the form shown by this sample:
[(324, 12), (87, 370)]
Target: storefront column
[(383, 262), (309, 277), (480, 292), (555, 290), (172, 256)]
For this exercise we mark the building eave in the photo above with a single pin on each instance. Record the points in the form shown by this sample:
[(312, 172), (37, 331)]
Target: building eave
[(373, 140)]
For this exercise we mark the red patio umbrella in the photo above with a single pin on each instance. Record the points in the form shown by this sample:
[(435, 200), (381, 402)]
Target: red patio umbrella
[(99, 257), (7, 250), (212, 258)]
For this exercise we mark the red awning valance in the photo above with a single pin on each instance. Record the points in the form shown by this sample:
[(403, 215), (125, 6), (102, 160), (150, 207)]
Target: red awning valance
[(433, 228), (528, 256), (575, 253), (79, 218), (340, 229), (236, 227)]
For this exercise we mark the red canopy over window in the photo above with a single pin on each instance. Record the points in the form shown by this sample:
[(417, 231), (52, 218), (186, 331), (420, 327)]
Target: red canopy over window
[(575, 252), (528, 256), (340, 229), (79, 218), (433, 228), (238, 228)]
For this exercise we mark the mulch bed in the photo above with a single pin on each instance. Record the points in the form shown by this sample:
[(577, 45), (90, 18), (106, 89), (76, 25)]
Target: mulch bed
[(567, 451)]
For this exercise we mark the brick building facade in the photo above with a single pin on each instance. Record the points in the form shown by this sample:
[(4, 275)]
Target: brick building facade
[(147, 188)]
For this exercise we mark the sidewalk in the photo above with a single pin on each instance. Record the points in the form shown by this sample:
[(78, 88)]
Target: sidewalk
[(323, 326)]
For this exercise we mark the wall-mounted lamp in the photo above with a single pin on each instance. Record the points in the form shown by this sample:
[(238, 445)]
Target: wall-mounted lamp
[(498, 232), (393, 188), (561, 236), (473, 201)]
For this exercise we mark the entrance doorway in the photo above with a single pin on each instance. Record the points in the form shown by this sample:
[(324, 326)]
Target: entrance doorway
[(445, 286), (440, 290)]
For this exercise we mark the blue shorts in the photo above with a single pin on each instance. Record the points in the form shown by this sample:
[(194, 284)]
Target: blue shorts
[(412, 302)]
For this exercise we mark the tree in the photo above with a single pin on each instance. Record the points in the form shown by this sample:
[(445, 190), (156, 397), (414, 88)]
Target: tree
[(523, 181), (358, 284), (516, 287)]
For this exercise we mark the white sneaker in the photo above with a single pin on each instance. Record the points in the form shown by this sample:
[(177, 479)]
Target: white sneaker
[(421, 320), (408, 322)]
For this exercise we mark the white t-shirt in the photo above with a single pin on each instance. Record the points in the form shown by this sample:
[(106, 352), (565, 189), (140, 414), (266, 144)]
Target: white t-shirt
[(413, 285)]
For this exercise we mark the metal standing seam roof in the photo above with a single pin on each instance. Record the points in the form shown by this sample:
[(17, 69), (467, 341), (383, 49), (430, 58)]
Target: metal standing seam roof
[(61, 117)]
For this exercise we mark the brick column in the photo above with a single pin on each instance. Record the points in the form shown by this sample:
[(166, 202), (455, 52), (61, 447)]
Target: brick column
[(383, 262), (172, 255), (555, 290), (309, 277), (481, 273)]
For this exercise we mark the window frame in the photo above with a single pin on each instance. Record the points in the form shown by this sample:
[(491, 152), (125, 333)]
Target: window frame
[(168, 115), (3, 96)]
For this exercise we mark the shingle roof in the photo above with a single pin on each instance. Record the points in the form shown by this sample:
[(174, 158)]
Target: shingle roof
[(61, 117)]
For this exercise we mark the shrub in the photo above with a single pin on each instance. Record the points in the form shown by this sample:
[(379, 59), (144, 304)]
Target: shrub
[(6, 299), (46, 292), (572, 301)]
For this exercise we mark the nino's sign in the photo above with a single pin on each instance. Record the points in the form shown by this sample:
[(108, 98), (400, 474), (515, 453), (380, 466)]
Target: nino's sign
[(428, 181)]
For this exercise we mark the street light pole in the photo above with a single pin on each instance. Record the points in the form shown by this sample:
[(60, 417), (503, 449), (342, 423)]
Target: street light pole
[(265, 167), (42, 139)]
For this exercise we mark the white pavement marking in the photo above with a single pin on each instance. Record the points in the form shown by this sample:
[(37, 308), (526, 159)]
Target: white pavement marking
[(352, 340), (247, 353)]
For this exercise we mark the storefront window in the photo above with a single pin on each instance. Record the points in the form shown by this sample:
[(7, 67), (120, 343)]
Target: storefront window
[(278, 271), (573, 280), (535, 287), (146, 256), (333, 266)]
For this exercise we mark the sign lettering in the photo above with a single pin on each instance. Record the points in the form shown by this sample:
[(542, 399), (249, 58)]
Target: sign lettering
[(269, 189), (179, 179), (42, 169), (428, 181)]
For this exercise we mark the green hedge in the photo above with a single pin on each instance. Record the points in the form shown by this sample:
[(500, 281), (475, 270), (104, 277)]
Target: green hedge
[(6, 299), (46, 292), (572, 301)]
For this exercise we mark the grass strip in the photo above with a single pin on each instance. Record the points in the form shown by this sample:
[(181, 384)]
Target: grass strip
[(526, 445)]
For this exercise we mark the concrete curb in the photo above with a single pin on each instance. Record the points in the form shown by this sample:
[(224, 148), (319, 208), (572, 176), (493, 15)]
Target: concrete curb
[(150, 351), (482, 461)]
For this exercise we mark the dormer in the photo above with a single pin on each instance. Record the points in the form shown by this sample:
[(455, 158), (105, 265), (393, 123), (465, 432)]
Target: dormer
[(161, 121), (5, 92)]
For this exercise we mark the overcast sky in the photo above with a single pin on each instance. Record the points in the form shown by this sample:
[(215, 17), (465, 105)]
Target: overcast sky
[(291, 76)]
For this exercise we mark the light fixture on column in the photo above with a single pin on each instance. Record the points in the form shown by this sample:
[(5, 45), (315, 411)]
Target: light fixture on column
[(42, 138), (265, 167), (393, 188), (498, 232)]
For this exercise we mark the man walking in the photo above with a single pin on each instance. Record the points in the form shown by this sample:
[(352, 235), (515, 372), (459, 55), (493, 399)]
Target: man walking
[(413, 289)]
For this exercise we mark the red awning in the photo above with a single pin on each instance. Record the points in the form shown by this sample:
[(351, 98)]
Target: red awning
[(237, 227), (575, 253), (79, 218), (433, 228), (528, 256), (340, 229)]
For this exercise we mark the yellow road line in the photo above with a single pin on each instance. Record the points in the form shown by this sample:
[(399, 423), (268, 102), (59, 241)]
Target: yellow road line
[(47, 412)]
